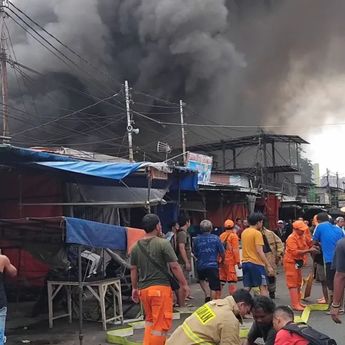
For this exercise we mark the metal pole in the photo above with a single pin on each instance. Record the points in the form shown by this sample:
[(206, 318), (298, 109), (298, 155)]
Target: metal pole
[(80, 280), (337, 192), (183, 134), (4, 81), (149, 185), (129, 124)]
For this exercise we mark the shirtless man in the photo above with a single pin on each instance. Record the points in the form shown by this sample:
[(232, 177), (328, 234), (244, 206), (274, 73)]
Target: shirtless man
[(8, 268)]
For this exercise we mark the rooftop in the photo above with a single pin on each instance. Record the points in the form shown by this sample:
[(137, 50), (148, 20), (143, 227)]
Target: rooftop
[(252, 140)]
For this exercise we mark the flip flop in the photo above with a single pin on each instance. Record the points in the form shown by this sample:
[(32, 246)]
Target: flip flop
[(321, 301)]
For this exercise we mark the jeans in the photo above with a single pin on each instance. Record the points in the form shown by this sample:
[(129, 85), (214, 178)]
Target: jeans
[(3, 312)]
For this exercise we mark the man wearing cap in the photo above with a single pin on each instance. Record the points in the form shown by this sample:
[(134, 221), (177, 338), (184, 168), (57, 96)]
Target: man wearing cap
[(295, 251), (227, 270)]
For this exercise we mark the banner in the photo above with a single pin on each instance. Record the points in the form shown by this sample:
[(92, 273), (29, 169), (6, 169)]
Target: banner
[(202, 164)]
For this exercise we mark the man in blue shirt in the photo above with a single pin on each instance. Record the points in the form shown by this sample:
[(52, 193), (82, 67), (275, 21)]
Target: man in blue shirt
[(327, 235), (207, 249)]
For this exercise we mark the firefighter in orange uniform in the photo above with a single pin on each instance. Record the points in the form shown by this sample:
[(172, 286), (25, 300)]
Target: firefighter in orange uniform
[(296, 249), (227, 270)]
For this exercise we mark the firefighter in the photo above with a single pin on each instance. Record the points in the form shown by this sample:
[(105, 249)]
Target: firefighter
[(227, 270), (295, 251), (273, 250), (216, 322)]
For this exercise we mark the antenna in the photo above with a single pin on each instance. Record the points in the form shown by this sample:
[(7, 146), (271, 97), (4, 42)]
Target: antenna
[(164, 148)]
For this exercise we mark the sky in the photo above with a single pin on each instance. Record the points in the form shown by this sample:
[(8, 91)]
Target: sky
[(233, 62), (327, 149), (318, 115)]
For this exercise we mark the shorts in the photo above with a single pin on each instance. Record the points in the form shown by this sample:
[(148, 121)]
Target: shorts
[(253, 275), (320, 273), (3, 312), (330, 273), (212, 276)]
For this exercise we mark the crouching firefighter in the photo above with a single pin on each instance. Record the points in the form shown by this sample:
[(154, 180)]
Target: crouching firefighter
[(216, 322)]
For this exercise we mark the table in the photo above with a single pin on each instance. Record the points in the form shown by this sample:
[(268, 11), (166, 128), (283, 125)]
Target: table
[(98, 289)]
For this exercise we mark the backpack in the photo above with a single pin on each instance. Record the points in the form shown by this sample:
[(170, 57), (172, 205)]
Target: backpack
[(313, 336)]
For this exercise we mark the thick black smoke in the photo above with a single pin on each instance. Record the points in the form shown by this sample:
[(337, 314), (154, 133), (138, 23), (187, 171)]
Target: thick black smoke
[(239, 62)]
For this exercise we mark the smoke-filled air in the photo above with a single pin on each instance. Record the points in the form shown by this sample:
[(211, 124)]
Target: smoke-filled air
[(235, 62)]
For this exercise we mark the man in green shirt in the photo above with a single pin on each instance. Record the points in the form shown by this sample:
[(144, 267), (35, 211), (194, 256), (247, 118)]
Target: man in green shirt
[(151, 259)]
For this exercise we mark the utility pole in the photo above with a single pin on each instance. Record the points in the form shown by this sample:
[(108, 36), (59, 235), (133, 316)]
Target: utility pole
[(183, 134), (4, 81), (129, 124), (337, 175)]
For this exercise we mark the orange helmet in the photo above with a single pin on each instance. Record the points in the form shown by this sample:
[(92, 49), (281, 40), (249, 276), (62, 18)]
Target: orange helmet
[(229, 224)]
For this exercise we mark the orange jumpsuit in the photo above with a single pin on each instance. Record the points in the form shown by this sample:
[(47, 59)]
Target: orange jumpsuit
[(293, 275), (309, 241), (158, 306), (227, 271)]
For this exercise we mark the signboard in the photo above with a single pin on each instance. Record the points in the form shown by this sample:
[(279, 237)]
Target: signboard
[(158, 174), (202, 164)]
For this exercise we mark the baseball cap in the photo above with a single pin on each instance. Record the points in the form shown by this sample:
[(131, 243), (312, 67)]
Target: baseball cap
[(229, 224), (300, 225), (280, 221)]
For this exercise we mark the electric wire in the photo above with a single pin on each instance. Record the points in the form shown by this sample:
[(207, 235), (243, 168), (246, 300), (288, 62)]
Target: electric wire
[(67, 115)]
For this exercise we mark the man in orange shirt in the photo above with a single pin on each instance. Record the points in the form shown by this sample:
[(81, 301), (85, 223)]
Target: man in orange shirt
[(253, 257), (295, 251), (227, 270)]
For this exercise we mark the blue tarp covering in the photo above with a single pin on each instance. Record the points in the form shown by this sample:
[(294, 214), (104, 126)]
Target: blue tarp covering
[(93, 234), (83, 171), (12, 154), (113, 171), (184, 179)]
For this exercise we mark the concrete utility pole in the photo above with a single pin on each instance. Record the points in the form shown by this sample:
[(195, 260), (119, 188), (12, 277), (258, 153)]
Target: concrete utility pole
[(183, 134), (337, 176), (4, 81), (129, 124)]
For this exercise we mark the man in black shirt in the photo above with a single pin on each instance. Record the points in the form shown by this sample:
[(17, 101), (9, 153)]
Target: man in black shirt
[(262, 327)]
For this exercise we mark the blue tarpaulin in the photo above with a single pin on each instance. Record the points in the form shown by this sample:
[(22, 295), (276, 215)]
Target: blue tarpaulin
[(85, 171), (18, 155), (94, 234), (113, 171)]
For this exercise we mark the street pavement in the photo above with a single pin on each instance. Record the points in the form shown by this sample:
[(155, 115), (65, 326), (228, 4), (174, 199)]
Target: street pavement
[(64, 333)]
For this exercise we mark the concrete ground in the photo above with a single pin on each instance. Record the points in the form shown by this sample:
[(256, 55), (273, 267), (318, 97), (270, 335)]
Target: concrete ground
[(22, 329)]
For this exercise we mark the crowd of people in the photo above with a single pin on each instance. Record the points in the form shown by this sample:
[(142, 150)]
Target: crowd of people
[(160, 269)]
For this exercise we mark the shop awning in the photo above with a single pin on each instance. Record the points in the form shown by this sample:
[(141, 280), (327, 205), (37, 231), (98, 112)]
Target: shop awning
[(95, 172), (63, 230), (112, 171)]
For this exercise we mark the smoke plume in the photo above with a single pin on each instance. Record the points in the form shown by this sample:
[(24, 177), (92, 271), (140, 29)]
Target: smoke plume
[(233, 62)]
